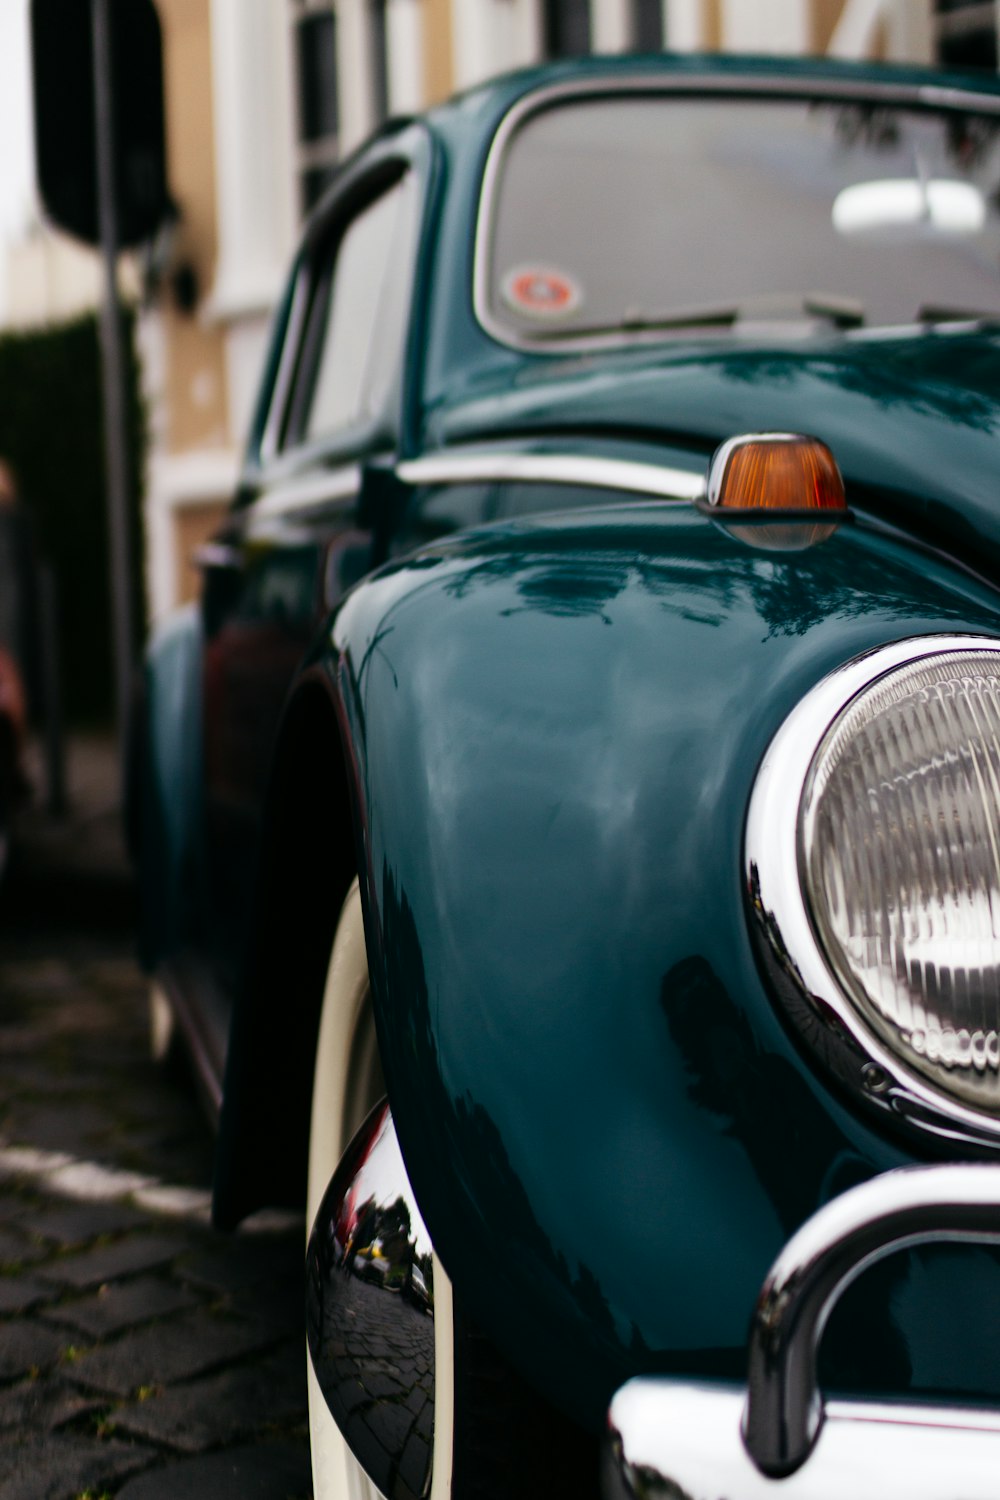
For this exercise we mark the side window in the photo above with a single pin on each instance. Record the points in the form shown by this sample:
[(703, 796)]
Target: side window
[(357, 323)]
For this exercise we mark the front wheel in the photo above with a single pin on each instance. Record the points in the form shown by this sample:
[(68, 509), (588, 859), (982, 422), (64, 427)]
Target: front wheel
[(347, 1084), (493, 1435)]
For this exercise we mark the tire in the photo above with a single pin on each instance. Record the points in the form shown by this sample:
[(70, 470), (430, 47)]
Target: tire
[(494, 1437), (347, 1083)]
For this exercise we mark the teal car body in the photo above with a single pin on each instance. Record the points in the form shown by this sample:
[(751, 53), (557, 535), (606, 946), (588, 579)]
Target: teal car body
[(530, 712), (602, 1112)]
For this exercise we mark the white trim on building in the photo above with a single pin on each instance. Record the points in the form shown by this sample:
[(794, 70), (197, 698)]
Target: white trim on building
[(354, 73), (404, 26), (491, 36), (908, 27), (254, 115), (766, 25), (610, 25), (684, 25)]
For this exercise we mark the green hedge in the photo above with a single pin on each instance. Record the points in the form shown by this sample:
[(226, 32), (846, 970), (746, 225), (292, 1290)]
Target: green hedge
[(51, 431)]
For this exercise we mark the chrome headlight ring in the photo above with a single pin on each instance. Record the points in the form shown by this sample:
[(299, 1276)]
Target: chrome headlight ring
[(841, 1033)]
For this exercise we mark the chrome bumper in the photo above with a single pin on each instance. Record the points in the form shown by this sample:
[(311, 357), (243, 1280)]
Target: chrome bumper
[(676, 1440), (670, 1441)]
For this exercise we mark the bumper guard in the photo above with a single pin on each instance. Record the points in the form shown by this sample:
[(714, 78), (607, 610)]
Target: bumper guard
[(675, 1440)]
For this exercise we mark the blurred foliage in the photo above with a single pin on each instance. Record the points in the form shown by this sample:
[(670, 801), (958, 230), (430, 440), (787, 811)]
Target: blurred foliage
[(52, 432)]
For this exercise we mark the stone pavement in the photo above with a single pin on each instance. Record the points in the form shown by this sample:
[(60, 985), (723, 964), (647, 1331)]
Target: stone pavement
[(142, 1355)]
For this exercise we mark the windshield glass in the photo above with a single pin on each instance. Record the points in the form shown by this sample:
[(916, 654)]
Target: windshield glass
[(660, 214)]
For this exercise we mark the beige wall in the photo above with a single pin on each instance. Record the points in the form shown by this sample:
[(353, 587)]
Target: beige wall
[(713, 25), (195, 373), (439, 66), (186, 500), (825, 15)]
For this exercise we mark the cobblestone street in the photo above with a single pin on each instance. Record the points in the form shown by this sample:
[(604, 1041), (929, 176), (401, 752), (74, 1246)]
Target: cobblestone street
[(142, 1355)]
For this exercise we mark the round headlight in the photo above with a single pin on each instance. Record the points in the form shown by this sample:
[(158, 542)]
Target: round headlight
[(873, 880), (899, 856)]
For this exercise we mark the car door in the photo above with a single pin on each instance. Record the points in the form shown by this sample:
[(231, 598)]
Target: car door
[(296, 538)]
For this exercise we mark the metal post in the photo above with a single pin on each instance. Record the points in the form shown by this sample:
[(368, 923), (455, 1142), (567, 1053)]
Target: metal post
[(55, 748), (116, 444)]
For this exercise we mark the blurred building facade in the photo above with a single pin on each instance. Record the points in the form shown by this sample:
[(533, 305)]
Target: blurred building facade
[(264, 97)]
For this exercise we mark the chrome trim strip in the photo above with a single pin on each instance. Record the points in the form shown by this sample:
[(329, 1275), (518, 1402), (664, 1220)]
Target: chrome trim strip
[(894, 1211), (270, 437), (671, 1438), (656, 480), (923, 96), (834, 1030), (315, 490), (370, 1311)]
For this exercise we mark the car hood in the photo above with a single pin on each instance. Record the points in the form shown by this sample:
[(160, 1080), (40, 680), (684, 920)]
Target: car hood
[(913, 418)]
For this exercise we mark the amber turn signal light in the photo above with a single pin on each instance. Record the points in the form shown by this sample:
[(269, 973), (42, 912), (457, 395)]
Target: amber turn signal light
[(768, 471)]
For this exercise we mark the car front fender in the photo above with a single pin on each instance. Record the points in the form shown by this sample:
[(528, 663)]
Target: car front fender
[(556, 728)]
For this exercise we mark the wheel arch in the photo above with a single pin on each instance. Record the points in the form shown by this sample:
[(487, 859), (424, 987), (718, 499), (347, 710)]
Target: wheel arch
[(308, 861)]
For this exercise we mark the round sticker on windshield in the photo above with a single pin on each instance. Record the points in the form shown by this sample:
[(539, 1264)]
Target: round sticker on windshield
[(541, 292)]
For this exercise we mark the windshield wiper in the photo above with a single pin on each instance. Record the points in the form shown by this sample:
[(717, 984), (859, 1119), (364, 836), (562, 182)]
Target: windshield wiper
[(842, 312), (935, 313), (634, 321)]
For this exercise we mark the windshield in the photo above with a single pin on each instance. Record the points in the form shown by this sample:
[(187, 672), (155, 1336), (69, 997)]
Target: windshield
[(660, 214)]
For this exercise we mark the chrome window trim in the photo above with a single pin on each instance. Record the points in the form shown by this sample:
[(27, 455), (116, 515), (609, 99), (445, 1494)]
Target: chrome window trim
[(301, 494), (270, 442), (654, 480), (383, 163), (833, 1030), (750, 86)]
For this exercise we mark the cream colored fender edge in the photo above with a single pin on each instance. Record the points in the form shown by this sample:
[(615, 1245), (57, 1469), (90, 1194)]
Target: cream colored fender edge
[(336, 1474)]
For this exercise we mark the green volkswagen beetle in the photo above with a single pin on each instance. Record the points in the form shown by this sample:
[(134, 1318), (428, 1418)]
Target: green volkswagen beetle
[(570, 821)]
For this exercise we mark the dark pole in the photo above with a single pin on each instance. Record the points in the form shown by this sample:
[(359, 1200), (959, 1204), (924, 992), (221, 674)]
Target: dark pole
[(116, 445), (55, 750)]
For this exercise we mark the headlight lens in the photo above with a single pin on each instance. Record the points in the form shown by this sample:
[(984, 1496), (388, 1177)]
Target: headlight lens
[(899, 845)]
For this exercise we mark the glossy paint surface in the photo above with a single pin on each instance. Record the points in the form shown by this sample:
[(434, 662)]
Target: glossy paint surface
[(609, 1132), (913, 422)]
